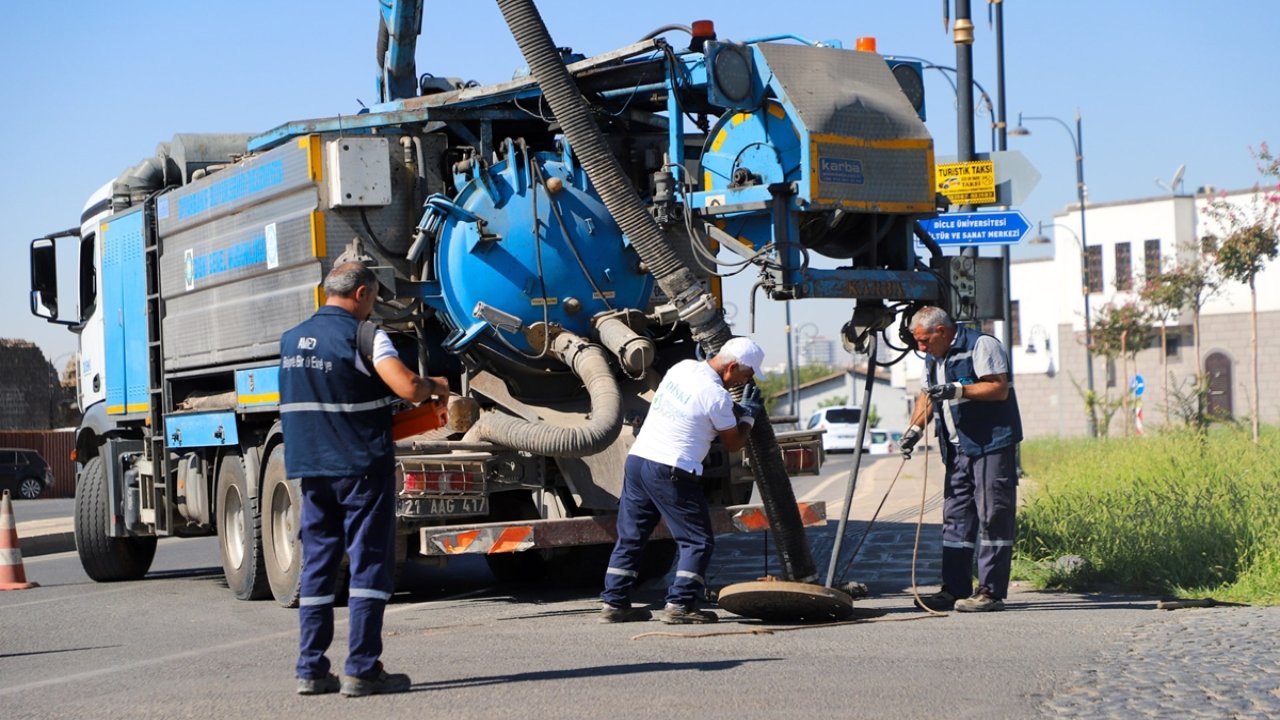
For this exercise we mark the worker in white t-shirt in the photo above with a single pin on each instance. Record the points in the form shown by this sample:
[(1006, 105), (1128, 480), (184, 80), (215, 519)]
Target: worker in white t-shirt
[(662, 479)]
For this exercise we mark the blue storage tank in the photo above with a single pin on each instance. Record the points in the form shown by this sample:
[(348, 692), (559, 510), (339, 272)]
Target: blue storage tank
[(526, 241)]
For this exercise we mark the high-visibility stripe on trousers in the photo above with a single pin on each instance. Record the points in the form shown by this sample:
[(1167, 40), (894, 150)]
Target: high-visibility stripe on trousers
[(355, 515), (979, 499), (653, 492)]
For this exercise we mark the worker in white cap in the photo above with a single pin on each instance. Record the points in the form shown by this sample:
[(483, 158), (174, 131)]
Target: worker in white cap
[(663, 480)]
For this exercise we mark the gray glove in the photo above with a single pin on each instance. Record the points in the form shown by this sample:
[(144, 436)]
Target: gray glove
[(751, 406), (945, 391), (909, 440)]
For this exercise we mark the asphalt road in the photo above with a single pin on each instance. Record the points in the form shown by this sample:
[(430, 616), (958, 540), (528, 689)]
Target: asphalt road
[(177, 645)]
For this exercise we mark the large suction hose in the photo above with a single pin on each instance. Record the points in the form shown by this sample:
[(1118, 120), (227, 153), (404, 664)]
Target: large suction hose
[(675, 278), (591, 364)]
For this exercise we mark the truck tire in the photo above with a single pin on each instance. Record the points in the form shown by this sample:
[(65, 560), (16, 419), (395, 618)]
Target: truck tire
[(105, 558), (240, 533), (281, 502)]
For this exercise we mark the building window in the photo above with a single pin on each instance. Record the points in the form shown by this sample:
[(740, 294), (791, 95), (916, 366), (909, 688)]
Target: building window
[(1111, 372), (1172, 344), (1094, 260), (1015, 327), (1152, 248), (1124, 267)]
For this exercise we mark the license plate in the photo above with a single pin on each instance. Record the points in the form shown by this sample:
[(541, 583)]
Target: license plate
[(444, 506)]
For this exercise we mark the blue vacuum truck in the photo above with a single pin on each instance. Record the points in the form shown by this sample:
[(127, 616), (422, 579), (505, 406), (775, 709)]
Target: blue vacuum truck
[(551, 245)]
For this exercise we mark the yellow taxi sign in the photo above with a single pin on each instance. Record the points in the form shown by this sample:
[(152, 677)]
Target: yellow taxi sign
[(968, 183)]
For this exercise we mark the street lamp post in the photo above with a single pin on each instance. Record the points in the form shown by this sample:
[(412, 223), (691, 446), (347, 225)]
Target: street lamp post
[(1077, 143)]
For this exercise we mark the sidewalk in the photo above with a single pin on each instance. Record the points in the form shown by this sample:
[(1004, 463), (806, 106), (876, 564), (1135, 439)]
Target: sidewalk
[(42, 537), (884, 560)]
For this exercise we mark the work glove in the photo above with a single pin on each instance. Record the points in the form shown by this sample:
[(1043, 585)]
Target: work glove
[(909, 440), (751, 406), (945, 391)]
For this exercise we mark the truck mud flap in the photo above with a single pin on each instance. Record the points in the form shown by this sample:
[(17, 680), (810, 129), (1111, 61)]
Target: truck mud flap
[(505, 537)]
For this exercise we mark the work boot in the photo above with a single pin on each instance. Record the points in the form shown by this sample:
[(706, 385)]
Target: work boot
[(318, 686), (611, 614), (980, 602), (939, 601), (681, 615), (384, 683)]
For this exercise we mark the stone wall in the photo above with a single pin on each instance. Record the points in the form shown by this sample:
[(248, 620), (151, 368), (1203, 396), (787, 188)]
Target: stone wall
[(1051, 405), (31, 396)]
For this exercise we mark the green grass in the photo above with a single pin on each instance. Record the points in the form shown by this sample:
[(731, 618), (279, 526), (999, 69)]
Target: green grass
[(1171, 513)]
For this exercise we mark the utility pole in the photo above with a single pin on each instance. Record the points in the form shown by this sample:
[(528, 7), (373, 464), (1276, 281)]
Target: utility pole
[(962, 31)]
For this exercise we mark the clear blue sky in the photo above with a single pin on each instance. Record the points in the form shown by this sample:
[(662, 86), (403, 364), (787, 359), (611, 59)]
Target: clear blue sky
[(91, 88)]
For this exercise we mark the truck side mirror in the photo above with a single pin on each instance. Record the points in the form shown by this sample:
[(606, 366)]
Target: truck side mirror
[(44, 278)]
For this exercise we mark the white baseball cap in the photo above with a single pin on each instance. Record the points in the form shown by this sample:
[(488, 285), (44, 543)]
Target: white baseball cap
[(745, 351)]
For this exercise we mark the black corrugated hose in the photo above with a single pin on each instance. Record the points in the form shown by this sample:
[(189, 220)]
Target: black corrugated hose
[(671, 274), (590, 363)]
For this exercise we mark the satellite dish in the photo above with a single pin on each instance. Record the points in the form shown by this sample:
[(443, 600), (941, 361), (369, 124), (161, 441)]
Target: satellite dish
[(1176, 182)]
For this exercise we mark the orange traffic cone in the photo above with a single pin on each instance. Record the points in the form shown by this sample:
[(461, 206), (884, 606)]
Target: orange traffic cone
[(12, 576)]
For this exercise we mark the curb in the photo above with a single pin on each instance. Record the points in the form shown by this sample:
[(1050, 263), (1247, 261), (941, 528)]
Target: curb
[(48, 543), (45, 537)]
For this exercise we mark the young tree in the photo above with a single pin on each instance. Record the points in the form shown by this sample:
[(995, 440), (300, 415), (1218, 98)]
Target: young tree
[(1189, 284), (1121, 332), (1250, 239)]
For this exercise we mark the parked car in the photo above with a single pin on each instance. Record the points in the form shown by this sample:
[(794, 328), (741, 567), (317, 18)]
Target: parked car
[(24, 473), (881, 442), (841, 425), (920, 446)]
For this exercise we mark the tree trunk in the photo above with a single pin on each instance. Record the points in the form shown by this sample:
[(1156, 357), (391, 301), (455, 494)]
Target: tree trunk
[(1124, 380), (1253, 347), (1164, 368)]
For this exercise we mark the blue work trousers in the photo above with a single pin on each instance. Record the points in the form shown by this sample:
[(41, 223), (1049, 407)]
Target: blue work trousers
[(653, 492), (355, 515), (979, 500)]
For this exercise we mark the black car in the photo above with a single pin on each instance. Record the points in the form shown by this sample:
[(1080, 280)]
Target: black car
[(24, 473)]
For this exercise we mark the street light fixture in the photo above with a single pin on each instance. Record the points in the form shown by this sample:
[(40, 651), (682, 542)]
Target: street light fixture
[(984, 100), (1077, 144)]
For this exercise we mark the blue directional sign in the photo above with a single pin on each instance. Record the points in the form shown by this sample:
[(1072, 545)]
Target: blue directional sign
[(1137, 385), (979, 228)]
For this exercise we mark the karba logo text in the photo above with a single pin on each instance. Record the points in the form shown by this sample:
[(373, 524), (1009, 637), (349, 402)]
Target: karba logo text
[(838, 165)]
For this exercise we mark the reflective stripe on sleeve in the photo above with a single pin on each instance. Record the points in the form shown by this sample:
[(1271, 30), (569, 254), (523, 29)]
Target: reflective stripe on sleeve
[(338, 407), (998, 543), (953, 544)]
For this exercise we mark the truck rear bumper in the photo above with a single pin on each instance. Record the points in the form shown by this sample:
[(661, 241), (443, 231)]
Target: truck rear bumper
[(504, 537)]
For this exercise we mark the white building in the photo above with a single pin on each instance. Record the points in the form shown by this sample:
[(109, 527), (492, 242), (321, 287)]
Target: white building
[(1127, 242)]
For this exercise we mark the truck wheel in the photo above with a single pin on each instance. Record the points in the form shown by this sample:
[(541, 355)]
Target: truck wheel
[(105, 558), (240, 533), (281, 503)]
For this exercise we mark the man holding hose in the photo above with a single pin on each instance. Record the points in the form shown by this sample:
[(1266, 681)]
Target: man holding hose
[(968, 394)]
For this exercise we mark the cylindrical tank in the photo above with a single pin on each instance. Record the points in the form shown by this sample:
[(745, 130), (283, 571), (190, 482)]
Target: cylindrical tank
[(527, 241)]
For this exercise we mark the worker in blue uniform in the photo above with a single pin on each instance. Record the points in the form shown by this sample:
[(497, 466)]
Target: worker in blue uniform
[(336, 410), (969, 394), (691, 408)]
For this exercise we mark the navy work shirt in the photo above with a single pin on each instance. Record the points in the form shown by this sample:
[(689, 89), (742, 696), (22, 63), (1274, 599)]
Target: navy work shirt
[(336, 416)]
